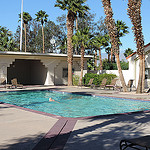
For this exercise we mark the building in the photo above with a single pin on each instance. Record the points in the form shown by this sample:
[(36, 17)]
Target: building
[(134, 67), (38, 69)]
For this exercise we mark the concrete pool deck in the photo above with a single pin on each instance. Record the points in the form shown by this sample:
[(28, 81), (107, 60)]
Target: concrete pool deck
[(21, 129)]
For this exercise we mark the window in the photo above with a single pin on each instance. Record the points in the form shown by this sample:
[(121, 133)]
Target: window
[(65, 72), (147, 73)]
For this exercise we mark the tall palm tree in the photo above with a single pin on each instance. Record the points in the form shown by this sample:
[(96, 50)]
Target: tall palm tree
[(108, 51), (122, 28), (112, 30), (102, 42), (26, 19), (73, 7), (99, 42), (41, 16), (81, 39), (93, 43), (134, 12)]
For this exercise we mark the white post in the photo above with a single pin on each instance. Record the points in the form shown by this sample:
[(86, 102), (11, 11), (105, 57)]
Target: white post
[(21, 26)]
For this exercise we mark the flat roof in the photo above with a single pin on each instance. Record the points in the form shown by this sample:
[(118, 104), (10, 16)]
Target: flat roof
[(41, 54)]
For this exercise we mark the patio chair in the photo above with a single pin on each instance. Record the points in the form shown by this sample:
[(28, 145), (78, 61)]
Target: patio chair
[(130, 84), (112, 84), (90, 82), (136, 143), (15, 84), (2, 81), (103, 84)]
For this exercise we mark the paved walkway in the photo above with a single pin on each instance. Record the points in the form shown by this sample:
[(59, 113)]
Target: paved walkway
[(21, 129)]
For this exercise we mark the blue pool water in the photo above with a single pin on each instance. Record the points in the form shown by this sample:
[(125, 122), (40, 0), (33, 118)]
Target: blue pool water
[(72, 105)]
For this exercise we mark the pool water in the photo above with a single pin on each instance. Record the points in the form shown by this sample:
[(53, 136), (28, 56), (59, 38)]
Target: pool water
[(72, 105)]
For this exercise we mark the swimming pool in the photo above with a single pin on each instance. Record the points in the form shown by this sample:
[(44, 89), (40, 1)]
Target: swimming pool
[(72, 105)]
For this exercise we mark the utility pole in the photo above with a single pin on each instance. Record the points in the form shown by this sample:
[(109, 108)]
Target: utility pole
[(21, 26)]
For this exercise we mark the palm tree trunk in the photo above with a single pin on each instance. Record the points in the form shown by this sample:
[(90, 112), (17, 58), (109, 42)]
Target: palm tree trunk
[(139, 87), (76, 52), (25, 32), (134, 12), (111, 54), (108, 57), (70, 24), (95, 59), (143, 83), (76, 23), (100, 59), (82, 64), (110, 23), (43, 38), (121, 74)]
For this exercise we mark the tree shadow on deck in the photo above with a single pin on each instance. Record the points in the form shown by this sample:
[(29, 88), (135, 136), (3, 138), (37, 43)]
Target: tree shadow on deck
[(105, 133)]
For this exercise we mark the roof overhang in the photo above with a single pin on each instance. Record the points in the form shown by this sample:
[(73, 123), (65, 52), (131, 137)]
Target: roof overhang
[(49, 55)]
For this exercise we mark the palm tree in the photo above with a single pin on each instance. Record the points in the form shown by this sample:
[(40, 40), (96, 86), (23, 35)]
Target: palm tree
[(41, 16), (122, 28), (102, 42), (128, 52), (26, 19), (113, 34), (81, 39), (94, 47), (108, 51), (99, 42), (134, 12), (73, 7)]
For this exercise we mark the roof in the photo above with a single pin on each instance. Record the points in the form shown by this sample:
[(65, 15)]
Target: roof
[(41, 54), (135, 52), (130, 55)]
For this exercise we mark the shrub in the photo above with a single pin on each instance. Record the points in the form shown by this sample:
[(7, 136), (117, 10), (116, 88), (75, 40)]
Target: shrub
[(98, 78), (113, 66), (76, 80)]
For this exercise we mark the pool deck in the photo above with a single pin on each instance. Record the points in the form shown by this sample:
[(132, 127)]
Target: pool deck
[(24, 129)]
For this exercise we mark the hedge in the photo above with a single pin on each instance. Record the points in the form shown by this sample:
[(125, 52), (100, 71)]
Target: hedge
[(98, 78)]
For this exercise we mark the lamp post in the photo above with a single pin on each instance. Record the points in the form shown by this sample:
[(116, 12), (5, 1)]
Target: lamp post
[(52, 41)]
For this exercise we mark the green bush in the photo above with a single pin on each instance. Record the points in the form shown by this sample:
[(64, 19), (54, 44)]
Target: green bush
[(124, 65), (76, 80), (98, 78), (113, 66)]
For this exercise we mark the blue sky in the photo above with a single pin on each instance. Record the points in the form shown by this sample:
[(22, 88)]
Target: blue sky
[(9, 10)]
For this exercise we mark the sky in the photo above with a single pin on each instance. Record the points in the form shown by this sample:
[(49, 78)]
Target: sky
[(9, 10)]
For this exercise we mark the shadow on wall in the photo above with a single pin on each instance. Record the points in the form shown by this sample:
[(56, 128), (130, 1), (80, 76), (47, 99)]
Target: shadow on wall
[(27, 72)]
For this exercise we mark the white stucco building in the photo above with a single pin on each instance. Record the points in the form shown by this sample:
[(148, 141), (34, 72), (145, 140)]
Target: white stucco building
[(38, 69), (134, 66), (133, 72)]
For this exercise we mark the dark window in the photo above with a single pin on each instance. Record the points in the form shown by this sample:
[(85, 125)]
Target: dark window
[(147, 73), (65, 72)]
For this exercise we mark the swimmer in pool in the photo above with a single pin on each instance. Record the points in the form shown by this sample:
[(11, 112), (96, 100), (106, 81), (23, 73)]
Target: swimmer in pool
[(52, 100)]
